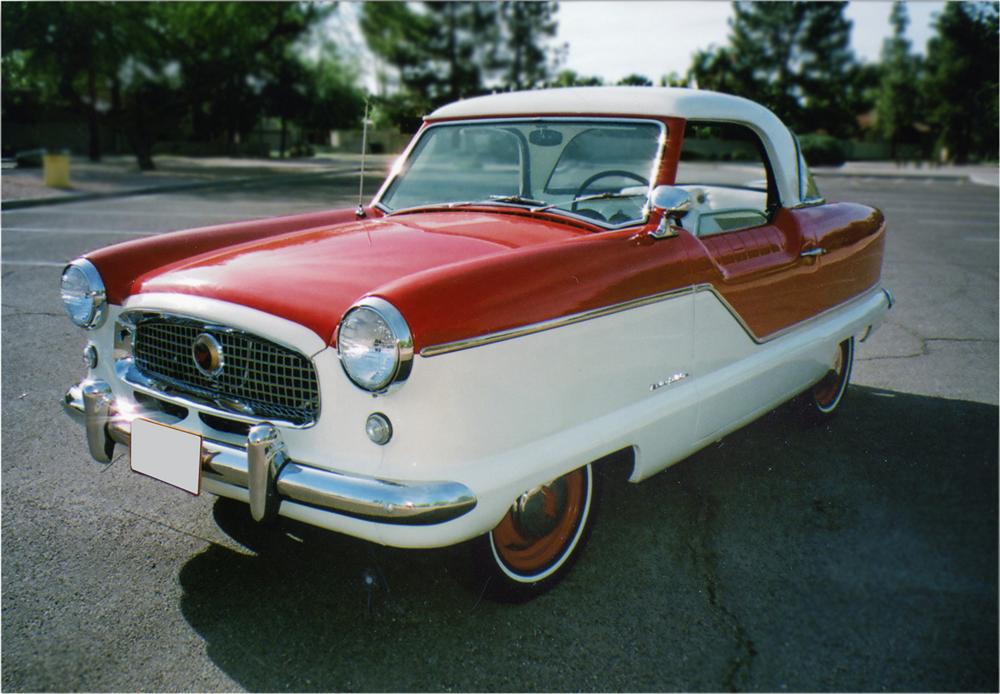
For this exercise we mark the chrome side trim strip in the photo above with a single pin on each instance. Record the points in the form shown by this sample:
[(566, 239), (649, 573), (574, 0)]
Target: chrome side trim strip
[(794, 326), (490, 338), (499, 336)]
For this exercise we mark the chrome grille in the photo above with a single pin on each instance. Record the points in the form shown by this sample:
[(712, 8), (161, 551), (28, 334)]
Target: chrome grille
[(259, 378)]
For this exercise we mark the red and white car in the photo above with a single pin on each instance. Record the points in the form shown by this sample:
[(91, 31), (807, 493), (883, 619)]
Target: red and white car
[(545, 279)]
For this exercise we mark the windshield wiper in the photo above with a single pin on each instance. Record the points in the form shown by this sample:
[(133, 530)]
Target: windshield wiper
[(513, 199), (585, 198), (517, 200)]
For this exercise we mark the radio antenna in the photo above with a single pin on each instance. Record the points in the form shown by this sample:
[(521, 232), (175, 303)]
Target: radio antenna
[(360, 212)]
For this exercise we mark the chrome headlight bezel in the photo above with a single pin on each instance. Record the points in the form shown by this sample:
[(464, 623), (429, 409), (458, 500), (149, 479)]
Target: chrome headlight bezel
[(91, 297), (399, 348)]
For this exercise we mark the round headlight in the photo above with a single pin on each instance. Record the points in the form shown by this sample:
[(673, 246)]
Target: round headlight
[(83, 294), (375, 345)]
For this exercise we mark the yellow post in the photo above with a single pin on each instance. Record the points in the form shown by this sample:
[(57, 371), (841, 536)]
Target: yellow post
[(55, 167)]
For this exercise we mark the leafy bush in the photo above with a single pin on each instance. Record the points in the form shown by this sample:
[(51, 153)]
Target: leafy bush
[(822, 150)]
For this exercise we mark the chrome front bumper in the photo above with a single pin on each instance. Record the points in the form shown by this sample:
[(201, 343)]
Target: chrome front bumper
[(270, 476)]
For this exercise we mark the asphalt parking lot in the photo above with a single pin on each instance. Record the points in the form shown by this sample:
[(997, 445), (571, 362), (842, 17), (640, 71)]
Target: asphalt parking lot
[(860, 556)]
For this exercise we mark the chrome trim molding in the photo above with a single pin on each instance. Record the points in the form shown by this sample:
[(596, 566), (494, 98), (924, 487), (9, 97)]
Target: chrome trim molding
[(669, 381), (500, 336), (368, 498)]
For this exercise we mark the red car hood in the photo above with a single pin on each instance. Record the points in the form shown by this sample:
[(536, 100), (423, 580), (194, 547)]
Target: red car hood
[(312, 277)]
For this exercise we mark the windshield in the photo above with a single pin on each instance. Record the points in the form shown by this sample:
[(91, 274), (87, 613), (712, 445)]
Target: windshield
[(600, 170)]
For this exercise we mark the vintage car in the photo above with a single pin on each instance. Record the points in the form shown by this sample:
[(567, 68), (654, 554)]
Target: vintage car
[(545, 279)]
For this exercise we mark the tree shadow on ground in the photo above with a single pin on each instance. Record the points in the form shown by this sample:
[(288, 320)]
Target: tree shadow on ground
[(859, 555)]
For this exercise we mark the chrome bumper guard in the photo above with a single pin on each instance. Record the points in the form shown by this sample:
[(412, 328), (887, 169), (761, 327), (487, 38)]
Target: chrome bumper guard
[(270, 476)]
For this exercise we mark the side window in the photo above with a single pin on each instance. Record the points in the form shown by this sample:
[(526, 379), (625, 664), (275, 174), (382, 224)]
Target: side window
[(725, 168)]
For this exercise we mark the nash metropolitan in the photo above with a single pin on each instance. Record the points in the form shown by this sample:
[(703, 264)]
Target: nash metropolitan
[(546, 279)]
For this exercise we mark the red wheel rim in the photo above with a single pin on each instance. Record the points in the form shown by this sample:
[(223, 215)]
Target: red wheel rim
[(533, 554), (826, 391)]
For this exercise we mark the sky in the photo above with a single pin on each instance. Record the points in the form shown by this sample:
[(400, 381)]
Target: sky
[(615, 38)]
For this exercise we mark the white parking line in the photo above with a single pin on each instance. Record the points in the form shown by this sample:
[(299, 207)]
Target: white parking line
[(34, 263), (31, 230), (110, 212)]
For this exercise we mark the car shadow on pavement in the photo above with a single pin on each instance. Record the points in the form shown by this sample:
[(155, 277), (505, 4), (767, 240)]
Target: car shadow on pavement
[(858, 555)]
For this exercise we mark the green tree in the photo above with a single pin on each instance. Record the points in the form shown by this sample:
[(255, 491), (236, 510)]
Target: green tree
[(961, 82), (157, 70), (526, 28), (635, 80), (672, 79), (228, 52), (336, 100), (717, 69), (438, 52), (793, 57), (898, 99), (54, 54), (570, 78)]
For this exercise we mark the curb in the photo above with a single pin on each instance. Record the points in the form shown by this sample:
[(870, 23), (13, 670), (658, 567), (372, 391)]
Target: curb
[(170, 188), (966, 177)]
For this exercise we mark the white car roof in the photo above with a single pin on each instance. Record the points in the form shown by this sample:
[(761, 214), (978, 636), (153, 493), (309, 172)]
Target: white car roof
[(677, 102)]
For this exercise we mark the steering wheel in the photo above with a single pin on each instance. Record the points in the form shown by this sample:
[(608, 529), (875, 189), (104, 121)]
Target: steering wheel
[(605, 174)]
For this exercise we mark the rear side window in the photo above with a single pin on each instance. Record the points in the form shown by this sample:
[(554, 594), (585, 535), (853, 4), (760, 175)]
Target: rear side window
[(725, 168)]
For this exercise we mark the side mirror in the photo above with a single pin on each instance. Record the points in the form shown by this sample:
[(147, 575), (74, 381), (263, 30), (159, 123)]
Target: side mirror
[(674, 203)]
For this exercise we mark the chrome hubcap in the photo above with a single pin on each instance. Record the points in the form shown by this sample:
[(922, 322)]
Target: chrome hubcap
[(536, 513)]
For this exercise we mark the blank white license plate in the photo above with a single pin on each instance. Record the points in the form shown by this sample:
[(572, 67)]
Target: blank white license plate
[(167, 454)]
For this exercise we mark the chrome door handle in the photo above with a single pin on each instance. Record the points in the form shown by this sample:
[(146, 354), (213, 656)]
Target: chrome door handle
[(812, 252)]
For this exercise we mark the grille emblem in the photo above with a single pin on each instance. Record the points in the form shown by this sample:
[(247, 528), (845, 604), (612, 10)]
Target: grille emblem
[(207, 354)]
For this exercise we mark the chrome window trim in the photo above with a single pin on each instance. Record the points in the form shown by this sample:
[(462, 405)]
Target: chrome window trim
[(98, 292), (127, 372), (405, 156), (511, 333), (404, 342), (803, 181)]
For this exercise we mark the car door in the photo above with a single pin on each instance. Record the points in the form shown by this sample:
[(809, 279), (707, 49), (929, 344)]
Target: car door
[(754, 269)]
